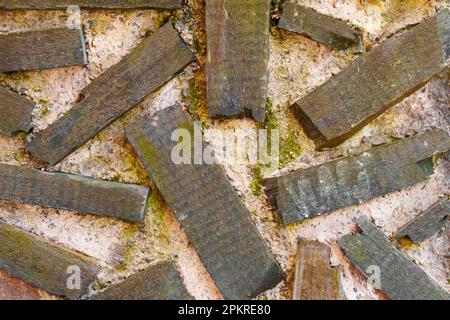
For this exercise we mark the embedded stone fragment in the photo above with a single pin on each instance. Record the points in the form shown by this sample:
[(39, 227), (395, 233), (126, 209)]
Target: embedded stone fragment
[(155, 61), (393, 273), (352, 180), (315, 279), (207, 206), (45, 265), (159, 282), (15, 112), (319, 27), (375, 81), (88, 4), (238, 57), (42, 49), (427, 223), (73, 192)]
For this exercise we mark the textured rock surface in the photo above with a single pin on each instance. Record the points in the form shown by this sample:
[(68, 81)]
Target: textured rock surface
[(297, 66)]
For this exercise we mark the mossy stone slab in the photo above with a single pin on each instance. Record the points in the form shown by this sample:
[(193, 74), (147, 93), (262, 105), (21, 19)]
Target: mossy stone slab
[(207, 206), (399, 277)]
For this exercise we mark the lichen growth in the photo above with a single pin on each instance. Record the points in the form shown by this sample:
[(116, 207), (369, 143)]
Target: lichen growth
[(255, 185), (290, 148)]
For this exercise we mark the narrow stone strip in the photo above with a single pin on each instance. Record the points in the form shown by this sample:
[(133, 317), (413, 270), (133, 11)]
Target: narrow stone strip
[(42, 49), (319, 27), (73, 192), (238, 57), (427, 223), (352, 180), (88, 4), (315, 279)]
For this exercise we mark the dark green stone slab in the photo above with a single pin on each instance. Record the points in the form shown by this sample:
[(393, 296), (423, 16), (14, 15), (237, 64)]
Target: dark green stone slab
[(43, 264), (400, 278), (154, 62), (319, 27), (42, 49), (238, 57), (427, 223), (352, 180), (73, 192), (159, 282), (88, 4), (315, 278), (375, 81), (15, 112), (208, 208)]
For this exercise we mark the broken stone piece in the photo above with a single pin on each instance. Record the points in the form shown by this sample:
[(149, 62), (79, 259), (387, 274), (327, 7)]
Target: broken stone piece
[(73, 192), (45, 265), (15, 112), (42, 49), (386, 267), (207, 206), (315, 279), (159, 282), (154, 62), (351, 180), (375, 81), (238, 57), (88, 4), (318, 27), (427, 223)]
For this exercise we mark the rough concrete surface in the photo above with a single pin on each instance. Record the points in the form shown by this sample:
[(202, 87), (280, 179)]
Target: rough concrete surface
[(297, 65)]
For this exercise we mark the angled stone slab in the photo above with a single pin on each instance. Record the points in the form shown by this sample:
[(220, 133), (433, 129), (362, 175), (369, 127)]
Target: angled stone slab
[(88, 4), (400, 278), (44, 265), (154, 62), (42, 49), (319, 27), (159, 282), (73, 192), (15, 112), (427, 223), (238, 57), (208, 208), (375, 81), (351, 180), (315, 279)]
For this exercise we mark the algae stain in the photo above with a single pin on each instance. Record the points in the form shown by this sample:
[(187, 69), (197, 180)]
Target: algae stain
[(255, 185)]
